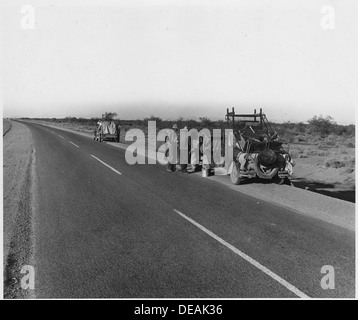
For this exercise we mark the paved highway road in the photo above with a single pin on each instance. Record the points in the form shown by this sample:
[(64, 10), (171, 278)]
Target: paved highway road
[(104, 228)]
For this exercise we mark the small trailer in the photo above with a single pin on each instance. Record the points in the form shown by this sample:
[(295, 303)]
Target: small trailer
[(258, 152), (107, 131)]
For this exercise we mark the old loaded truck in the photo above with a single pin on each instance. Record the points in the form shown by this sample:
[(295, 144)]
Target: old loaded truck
[(108, 130), (258, 152)]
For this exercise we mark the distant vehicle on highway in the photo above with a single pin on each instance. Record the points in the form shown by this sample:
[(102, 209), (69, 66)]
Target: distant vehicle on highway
[(107, 131), (258, 152)]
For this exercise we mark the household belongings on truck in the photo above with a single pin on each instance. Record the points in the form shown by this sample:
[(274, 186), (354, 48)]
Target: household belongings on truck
[(258, 152)]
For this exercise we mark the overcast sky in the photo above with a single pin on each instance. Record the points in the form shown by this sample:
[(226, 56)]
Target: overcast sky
[(181, 59)]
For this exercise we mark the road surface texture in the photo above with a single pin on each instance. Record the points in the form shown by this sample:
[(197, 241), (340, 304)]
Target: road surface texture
[(103, 228)]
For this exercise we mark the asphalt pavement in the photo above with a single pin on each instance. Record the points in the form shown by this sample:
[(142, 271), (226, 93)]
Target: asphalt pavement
[(104, 228)]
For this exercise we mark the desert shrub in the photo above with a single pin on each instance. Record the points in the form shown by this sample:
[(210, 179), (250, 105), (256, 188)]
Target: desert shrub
[(109, 115), (289, 137), (289, 125), (280, 131), (301, 138), (153, 118), (69, 119), (205, 122), (350, 144), (333, 163), (320, 153), (294, 153), (345, 130), (345, 161), (321, 125), (351, 130), (332, 140), (301, 127)]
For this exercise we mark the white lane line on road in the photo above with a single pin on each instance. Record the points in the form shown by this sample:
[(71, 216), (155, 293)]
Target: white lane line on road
[(105, 164), (61, 136), (73, 143), (246, 257)]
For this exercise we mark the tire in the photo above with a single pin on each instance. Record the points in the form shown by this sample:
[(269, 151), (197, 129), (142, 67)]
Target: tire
[(263, 175), (235, 175)]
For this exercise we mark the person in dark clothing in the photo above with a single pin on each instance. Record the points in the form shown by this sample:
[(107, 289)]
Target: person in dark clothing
[(173, 140)]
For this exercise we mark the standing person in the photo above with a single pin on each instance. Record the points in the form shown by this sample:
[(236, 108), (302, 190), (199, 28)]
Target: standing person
[(194, 154), (184, 166), (118, 132), (173, 141), (97, 132), (206, 152), (99, 123)]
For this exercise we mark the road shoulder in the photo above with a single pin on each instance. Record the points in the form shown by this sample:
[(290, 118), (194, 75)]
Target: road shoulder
[(332, 210), (18, 162)]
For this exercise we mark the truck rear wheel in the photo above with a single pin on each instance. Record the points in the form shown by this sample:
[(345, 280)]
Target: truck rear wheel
[(235, 175)]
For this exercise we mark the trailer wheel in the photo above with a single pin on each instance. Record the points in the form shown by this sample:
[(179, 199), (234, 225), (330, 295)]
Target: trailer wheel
[(235, 175)]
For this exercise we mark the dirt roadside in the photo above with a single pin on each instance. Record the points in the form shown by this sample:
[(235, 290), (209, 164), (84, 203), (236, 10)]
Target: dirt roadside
[(18, 166), (329, 171), (6, 127), (332, 210)]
